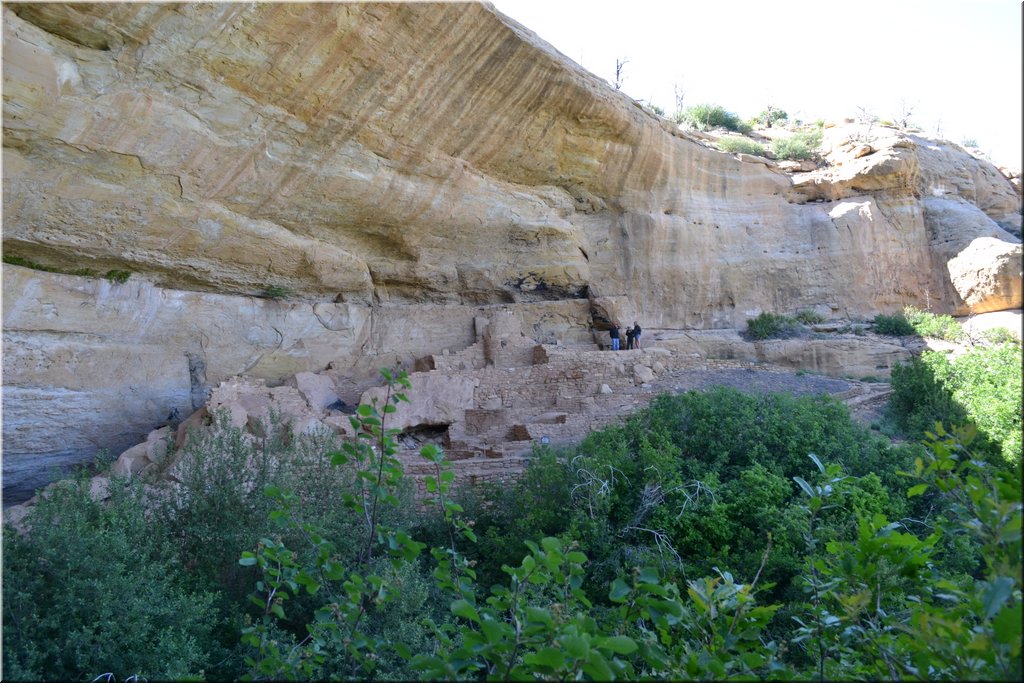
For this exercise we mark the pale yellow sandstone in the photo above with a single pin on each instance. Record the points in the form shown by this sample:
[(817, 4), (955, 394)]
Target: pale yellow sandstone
[(400, 169)]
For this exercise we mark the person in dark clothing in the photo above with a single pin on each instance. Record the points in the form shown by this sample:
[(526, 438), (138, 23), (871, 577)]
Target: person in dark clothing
[(614, 334), (636, 333), (629, 338)]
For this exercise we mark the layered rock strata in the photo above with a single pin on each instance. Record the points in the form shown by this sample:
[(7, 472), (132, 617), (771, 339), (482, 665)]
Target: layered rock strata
[(389, 171)]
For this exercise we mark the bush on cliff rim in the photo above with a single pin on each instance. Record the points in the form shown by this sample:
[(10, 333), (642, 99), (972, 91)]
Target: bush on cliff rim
[(741, 145), (15, 260), (771, 326), (893, 325), (797, 147), (708, 116), (929, 324), (810, 317)]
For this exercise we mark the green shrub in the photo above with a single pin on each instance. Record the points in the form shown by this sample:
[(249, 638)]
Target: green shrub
[(919, 400), (223, 472), (771, 326), (15, 260), (276, 292), (986, 382), (809, 317), (770, 116), (999, 335), (507, 515), (742, 145), (893, 325), (667, 506), (28, 263), (96, 588), (799, 146), (118, 277), (693, 467), (695, 483), (981, 386), (708, 116), (936, 326)]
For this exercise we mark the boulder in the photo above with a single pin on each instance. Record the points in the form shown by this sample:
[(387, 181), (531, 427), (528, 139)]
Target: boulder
[(317, 389), (434, 399), (141, 458), (988, 275), (642, 374)]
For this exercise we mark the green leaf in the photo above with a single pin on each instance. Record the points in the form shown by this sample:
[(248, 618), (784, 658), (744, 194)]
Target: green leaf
[(576, 646), (364, 410), (461, 608), (248, 559), (619, 591), (649, 575), (817, 462), (549, 657), (597, 668), (995, 594), (620, 645), (493, 630), (1011, 530), (805, 486), (539, 615), (1007, 625), (916, 490), (654, 655), (656, 588), (277, 610), (311, 584), (752, 659), (551, 544), (334, 570)]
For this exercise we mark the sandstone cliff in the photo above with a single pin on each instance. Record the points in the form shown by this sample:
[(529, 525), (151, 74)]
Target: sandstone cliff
[(398, 169)]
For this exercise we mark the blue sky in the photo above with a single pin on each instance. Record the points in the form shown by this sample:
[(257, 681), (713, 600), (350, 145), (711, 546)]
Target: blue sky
[(955, 63)]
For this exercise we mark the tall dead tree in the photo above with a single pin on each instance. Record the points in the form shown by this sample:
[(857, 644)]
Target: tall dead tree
[(620, 65)]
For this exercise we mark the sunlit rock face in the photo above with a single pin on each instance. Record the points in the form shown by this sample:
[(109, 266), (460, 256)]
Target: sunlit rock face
[(389, 171)]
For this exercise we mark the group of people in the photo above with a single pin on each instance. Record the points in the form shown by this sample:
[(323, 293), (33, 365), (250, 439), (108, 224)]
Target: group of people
[(632, 336)]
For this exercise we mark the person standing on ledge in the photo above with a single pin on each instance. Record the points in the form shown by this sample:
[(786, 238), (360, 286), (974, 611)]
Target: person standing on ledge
[(614, 334), (636, 333), (629, 338)]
